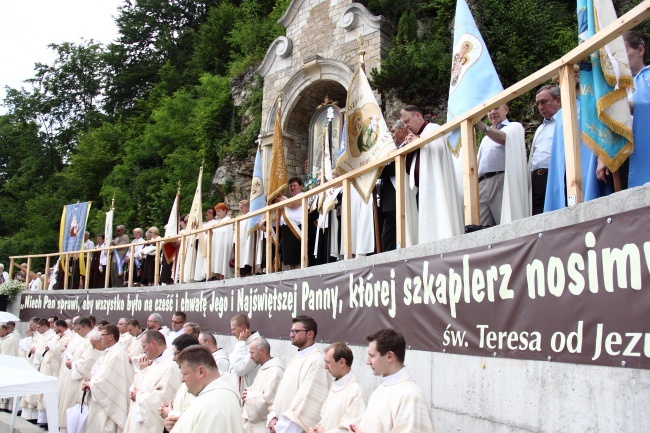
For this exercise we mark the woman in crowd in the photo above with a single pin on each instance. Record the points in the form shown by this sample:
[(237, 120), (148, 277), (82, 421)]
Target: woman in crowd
[(246, 243), (148, 255), (137, 260), (222, 239)]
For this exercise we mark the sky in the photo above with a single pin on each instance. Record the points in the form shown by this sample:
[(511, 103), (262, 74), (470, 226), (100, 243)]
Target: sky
[(27, 27)]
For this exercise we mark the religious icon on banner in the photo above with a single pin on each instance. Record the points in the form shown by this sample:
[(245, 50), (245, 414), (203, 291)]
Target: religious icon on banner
[(464, 58)]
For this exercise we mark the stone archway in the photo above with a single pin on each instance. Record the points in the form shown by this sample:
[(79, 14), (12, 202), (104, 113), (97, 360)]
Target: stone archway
[(315, 58), (296, 122)]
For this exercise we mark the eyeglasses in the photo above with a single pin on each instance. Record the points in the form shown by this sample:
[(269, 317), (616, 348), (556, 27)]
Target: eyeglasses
[(295, 331), (176, 323)]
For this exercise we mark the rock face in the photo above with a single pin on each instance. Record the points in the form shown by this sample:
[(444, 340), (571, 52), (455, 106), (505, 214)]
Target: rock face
[(233, 179), (233, 176)]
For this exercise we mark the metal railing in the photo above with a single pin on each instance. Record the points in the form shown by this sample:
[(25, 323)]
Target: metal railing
[(562, 67)]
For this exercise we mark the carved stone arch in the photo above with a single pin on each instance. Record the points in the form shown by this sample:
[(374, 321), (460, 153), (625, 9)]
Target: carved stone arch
[(313, 71)]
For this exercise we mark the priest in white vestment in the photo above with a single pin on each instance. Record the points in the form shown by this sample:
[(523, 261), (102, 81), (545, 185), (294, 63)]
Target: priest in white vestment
[(219, 354), (241, 363), (222, 240), (172, 410), (8, 344), (154, 385), (37, 350), (73, 351), (108, 405), (9, 347), (178, 321), (216, 405), (51, 363), (346, 401), (259, 396), (398, 404), (305, 384), (125, 337), (434, 173), (135, 346)]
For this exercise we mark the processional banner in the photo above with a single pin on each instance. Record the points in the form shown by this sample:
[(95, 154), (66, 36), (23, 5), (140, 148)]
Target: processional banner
[(473, 76), (73, 226), (171, 229), (605, 118), (368, 137)]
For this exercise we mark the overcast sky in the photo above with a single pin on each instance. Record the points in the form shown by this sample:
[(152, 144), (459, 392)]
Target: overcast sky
[(28, 26)]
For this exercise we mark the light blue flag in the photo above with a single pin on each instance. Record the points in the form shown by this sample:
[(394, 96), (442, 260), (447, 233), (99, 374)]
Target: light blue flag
[(605, 119), (592, 188), (473, 77), (257, 198)]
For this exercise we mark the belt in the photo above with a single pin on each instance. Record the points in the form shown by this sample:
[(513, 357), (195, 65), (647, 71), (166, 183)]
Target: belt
[(540, 172), (488, 175)]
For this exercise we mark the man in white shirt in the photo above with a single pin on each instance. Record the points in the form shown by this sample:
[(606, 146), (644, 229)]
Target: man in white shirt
[(502, 173), (548, 104)]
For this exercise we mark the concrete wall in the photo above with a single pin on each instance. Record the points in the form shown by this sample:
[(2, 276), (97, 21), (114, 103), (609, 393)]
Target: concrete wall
[(474, 394)]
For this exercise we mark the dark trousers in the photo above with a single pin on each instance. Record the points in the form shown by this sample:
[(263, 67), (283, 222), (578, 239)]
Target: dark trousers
[(388, 231), (538, 184)]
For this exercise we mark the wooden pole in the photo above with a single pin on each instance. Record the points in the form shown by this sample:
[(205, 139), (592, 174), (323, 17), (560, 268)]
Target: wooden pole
[(400, 211), (470, 173), (183, 252), (304, 241), (66, 262), (131, 264), (47, 272), (571, 139), (107, 270), (87, 277), (156, 270), (269, 250), (277, 264), (237, 249), (208, 249), (29, 266), (346, 219)]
